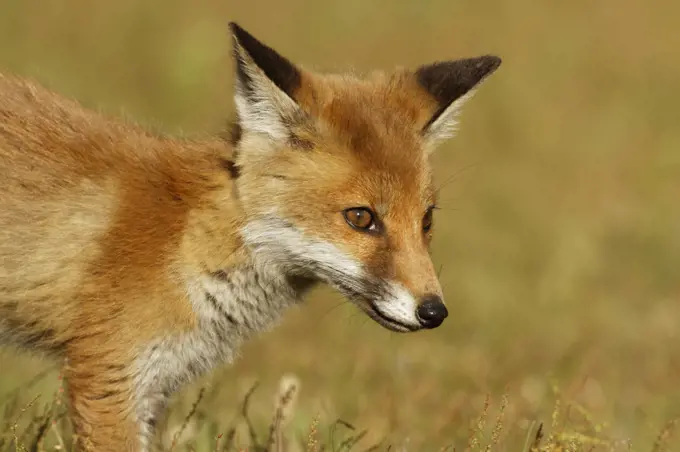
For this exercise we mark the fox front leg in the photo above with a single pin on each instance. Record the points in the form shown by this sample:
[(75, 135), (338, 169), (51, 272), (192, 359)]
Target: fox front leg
[(102, 403)]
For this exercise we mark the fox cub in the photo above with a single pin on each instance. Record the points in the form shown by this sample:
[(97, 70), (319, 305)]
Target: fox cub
[(146, 260)]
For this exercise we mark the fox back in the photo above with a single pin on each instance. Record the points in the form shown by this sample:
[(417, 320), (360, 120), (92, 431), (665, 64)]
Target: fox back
[(146, 260)]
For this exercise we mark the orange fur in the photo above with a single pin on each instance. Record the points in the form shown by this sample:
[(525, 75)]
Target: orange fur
[(147, 259), (93, 213)]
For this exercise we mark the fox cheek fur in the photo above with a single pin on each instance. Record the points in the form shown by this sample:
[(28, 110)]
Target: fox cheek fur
[(148, 260)]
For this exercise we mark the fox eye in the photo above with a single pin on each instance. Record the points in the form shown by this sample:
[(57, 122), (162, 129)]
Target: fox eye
[(360, 218), (427, 220)]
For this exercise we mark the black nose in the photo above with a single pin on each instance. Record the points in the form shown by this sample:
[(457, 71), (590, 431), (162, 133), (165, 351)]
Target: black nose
[(432, 312)]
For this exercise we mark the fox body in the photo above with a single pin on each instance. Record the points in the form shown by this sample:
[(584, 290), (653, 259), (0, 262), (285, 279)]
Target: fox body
[(146, 260)]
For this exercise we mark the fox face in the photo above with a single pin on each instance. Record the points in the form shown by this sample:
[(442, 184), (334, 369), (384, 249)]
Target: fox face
[(334, 177)]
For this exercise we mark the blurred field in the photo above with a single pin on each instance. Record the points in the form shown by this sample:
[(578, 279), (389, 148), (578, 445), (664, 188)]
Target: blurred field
[(559, 240)]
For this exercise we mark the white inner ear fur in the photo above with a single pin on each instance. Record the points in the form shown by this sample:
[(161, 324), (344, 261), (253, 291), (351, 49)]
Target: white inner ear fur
[(446, 124), (262, 107)]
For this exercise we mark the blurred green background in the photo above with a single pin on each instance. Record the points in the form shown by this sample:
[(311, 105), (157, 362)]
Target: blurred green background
[(559, 238)]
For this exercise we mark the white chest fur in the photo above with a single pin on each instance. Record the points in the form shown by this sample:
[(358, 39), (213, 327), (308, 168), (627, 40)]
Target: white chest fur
[(230, 307)]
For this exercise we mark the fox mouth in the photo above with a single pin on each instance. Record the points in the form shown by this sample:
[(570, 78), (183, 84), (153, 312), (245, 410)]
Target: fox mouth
[(391, 324), (369, 306)]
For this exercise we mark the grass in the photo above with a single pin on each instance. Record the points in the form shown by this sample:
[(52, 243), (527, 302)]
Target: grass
[(570, 429), (558, 239)]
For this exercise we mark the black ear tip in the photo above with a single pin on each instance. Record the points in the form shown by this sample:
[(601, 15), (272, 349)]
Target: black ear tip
[(486, 64), (238, 32), (492, 62), (275, 66)]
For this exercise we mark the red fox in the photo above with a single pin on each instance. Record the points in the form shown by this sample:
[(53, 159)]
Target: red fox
[(146, 260)]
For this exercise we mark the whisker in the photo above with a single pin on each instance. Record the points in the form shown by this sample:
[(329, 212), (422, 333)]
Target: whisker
[(453, 177), (334, 307), (450, 209)]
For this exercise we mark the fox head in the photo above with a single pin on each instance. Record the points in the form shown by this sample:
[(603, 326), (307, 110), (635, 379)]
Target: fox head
[(334, 177)]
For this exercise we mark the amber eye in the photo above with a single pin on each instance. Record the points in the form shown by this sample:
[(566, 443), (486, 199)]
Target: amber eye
[(427, 220), (360, 218)]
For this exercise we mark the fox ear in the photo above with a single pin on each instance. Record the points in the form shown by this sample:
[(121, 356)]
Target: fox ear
[(266, 83), (451, 84)]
